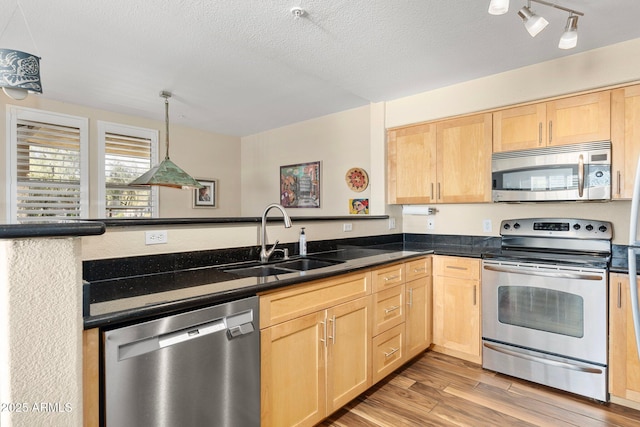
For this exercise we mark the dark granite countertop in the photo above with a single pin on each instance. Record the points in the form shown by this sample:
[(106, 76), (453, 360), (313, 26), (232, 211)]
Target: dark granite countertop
[(179, 282), (52, 229), (187, 289)]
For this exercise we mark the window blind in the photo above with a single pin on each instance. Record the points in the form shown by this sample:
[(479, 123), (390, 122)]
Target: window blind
[(126, 158), (48, 171)]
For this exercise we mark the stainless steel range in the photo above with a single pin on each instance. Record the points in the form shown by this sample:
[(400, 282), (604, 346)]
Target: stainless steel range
[(544, 296)]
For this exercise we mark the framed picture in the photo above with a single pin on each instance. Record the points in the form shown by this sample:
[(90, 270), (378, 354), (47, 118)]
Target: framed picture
[(359, 206), (206, 197), (300, 185)]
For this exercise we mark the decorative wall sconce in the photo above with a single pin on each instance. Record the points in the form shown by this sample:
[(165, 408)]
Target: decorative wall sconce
[(535, 23), (19, 71)]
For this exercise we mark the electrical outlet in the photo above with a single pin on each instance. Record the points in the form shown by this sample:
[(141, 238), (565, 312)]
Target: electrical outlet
[(155, 237), (431, 223), (486, 226), (392, 223), (347, 227)]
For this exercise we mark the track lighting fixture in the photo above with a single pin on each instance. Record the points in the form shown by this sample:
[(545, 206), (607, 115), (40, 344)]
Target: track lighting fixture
[(532, 22), (535, 23)]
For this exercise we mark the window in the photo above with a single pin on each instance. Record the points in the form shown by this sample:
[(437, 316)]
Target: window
[(125, 153), (47, 173)]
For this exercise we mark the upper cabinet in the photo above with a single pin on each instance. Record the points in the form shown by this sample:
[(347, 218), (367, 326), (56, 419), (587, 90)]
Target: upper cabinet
[(625, 139), (572, 120), (425, 162), (411, 164)]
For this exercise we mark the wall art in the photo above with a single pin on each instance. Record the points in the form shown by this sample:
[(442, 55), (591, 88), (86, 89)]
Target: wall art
[(300, 185), (206, 197)]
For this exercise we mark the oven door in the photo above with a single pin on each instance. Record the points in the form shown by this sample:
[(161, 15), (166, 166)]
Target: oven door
[(557, 310)]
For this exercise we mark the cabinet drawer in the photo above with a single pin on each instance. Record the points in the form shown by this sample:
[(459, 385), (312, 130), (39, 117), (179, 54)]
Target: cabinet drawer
[(281, 305), (388, 352), (387, 277), (458, 267), (417, 268), (388, 308)]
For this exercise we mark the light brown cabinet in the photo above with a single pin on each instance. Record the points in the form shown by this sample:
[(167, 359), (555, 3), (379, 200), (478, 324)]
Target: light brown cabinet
[(411, 164), (315, 356), (418, 320), (456, 307), (624, 365), (426, 162), (625, 140), (571, 120)]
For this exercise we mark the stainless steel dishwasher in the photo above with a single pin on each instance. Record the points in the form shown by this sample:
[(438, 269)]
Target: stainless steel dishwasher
[(200, 368)]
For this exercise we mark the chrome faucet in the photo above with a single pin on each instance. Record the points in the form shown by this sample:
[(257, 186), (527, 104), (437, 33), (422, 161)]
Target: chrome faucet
[(264, 252)]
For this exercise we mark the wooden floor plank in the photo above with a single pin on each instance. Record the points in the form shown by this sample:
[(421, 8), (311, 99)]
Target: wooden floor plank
[(439, 390)]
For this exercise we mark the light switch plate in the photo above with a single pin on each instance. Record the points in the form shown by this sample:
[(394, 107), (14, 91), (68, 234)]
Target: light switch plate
[(431, 223), (486, 226)]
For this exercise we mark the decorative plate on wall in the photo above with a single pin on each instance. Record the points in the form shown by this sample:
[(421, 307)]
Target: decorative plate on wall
[(357, 179)]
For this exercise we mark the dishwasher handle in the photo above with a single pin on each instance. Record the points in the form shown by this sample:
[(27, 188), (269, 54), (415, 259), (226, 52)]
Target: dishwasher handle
[(236, 325)]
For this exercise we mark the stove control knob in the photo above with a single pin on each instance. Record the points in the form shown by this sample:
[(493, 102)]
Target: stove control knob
[(602, 228), (506, 226), (576, 227), (516, 225), (589, 227)]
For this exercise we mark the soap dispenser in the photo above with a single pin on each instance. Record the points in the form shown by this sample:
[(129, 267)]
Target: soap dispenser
[(303, 243)]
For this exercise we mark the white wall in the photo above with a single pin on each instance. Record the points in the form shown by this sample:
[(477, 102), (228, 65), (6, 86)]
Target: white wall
[(201, 154), (339, 141)]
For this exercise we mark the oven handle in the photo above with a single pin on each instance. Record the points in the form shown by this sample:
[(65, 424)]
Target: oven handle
[(542, 360), (564, 275), (580, 176)]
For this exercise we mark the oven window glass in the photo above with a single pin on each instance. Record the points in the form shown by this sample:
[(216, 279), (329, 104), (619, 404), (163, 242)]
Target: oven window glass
[(541, 309)]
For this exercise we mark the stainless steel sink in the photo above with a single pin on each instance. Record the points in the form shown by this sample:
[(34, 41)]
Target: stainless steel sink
[(283, 267), (304, 264)]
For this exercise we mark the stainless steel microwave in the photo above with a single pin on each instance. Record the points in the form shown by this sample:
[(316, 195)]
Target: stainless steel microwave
[(564, 173)]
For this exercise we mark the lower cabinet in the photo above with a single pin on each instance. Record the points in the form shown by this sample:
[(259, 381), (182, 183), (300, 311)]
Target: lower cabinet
[(624, 365), (326, 342), (456, 307), (316, 363)]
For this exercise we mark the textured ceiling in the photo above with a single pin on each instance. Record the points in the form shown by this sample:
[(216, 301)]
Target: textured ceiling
[(239, 67)]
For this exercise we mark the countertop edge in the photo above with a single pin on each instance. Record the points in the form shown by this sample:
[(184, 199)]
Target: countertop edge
[(52, 229)]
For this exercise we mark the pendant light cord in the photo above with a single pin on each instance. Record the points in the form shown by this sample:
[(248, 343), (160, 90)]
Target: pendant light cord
[(26, 23), (166, 121)]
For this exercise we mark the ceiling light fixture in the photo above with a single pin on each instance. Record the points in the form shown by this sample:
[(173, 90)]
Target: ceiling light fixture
[(569, 38), (167, 173), (19, 71), (535, 23), (498, 7), (532, 22)]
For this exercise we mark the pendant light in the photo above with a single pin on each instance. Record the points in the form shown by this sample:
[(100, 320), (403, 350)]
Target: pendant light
[(19, 71), (498, 7), (569, 38), (532, 22), (167, 173)]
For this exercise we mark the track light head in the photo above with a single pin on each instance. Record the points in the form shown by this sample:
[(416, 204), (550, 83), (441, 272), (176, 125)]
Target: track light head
[(498, 7), (532, 22), (569, 38)]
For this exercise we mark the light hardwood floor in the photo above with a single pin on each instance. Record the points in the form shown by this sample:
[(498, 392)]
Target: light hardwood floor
[(438, 390)]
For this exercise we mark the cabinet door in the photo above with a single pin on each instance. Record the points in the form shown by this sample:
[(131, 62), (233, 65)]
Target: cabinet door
[(349, 352), (583, 118), (624, 365), (520, 128), (411, 164), (625, 139), (456, 317), (464, 160), (418, 317), (293, 372)]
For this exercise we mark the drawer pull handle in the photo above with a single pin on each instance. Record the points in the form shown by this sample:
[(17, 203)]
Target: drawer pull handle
[(455, 267), (390, 309), (386, 279), (393, 351), (418, 270)]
